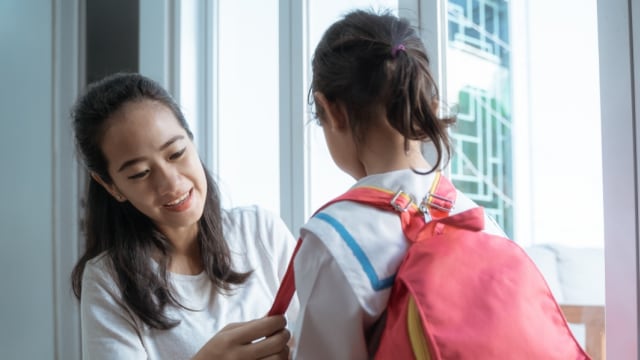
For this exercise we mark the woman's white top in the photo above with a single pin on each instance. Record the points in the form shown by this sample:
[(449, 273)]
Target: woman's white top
[(345, 268), (258, 241)]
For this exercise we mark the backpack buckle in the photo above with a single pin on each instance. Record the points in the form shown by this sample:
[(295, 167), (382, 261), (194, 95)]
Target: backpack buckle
[(437, 202), (398, 206)]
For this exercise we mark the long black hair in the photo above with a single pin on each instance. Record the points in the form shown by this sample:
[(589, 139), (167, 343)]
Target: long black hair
[(122, 232), (367, 60)]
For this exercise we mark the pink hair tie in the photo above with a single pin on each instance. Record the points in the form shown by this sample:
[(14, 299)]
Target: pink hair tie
[(396, 49)]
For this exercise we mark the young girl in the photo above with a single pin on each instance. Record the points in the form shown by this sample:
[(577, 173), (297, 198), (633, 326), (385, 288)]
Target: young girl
[(166, 272), (376, 102)]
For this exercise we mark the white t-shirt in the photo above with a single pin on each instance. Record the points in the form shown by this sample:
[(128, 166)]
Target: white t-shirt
[(258, 241), (346, 264)]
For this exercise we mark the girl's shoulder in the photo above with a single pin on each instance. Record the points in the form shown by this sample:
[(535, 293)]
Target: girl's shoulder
[(464, 202)]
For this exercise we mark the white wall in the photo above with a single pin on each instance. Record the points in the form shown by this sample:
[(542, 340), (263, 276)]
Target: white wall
[(26, 180)]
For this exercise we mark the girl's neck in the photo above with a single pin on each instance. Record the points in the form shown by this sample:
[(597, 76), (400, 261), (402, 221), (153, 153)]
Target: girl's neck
[(384, 151)]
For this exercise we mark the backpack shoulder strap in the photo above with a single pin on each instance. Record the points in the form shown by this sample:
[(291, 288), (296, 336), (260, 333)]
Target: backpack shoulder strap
[(287, 287), (436, 204)]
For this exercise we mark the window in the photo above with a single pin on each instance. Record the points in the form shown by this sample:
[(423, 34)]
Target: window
[(478, 40), (247, 139)]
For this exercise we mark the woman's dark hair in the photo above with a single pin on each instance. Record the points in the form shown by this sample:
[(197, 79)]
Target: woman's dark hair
[(123, 233), (376, 61)]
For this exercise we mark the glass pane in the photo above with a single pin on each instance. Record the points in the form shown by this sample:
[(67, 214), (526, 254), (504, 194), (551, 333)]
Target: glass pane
[(248, 139), (482, 166), (326, 181), (527, 144)]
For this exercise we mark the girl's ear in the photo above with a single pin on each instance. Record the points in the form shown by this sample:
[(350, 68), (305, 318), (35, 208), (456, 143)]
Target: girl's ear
[(111, 189), (334, 113)]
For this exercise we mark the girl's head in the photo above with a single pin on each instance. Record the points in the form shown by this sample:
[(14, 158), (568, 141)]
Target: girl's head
[(137, 146), (376, 67), (147, 189)]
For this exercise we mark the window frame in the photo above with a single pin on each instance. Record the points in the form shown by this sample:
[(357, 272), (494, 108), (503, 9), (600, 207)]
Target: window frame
[(294, 153), (619, 53), (68, 178)]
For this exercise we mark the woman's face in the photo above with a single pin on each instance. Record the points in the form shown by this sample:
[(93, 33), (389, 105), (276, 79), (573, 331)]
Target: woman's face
[(155, 166)]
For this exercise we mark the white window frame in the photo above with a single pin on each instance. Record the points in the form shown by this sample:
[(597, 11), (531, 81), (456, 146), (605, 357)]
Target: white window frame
[(294, 153), (68, 52), (619, 50)]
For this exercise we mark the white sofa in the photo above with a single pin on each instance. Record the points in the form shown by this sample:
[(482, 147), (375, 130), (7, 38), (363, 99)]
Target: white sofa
[(575, 276)]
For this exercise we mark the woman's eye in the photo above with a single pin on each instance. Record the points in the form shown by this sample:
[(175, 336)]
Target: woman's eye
[(139, 175), (177, 155)]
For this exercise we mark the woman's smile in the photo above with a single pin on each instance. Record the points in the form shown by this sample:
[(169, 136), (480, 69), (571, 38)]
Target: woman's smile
[(180, 204)]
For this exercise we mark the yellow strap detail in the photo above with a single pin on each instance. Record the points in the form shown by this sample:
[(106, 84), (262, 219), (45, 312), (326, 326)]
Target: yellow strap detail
[(434, 184), (416, 335)]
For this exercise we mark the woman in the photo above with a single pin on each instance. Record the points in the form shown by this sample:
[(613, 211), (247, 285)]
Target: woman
[(166, 272)]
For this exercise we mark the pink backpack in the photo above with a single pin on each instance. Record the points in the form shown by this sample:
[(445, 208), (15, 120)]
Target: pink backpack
[(459, 293)]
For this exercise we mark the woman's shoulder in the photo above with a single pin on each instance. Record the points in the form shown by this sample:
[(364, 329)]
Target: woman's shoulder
[(250, 217), (239, 212), (99, 264), (98, 275), (254, 222), (258, 235)]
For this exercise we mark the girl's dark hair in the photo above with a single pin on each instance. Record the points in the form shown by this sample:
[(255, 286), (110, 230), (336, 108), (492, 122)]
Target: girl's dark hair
[(123, 233), (376, 61)]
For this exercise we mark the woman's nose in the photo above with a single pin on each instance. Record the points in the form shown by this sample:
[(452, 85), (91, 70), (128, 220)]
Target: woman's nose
[(167, 179)]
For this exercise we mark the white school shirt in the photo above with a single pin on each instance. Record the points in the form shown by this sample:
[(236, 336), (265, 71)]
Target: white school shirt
[(345, 268), (258, 241)]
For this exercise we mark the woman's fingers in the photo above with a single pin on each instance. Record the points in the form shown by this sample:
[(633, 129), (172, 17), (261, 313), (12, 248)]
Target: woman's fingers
[(256, 339), (256, 329), (233, 326), (272, 345), (284, 354)]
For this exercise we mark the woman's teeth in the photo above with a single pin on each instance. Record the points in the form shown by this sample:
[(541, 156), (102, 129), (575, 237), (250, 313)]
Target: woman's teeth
[(178, 201)]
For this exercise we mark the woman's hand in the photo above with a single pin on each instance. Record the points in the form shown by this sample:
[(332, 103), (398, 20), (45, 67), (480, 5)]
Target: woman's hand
[(264, 338)]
